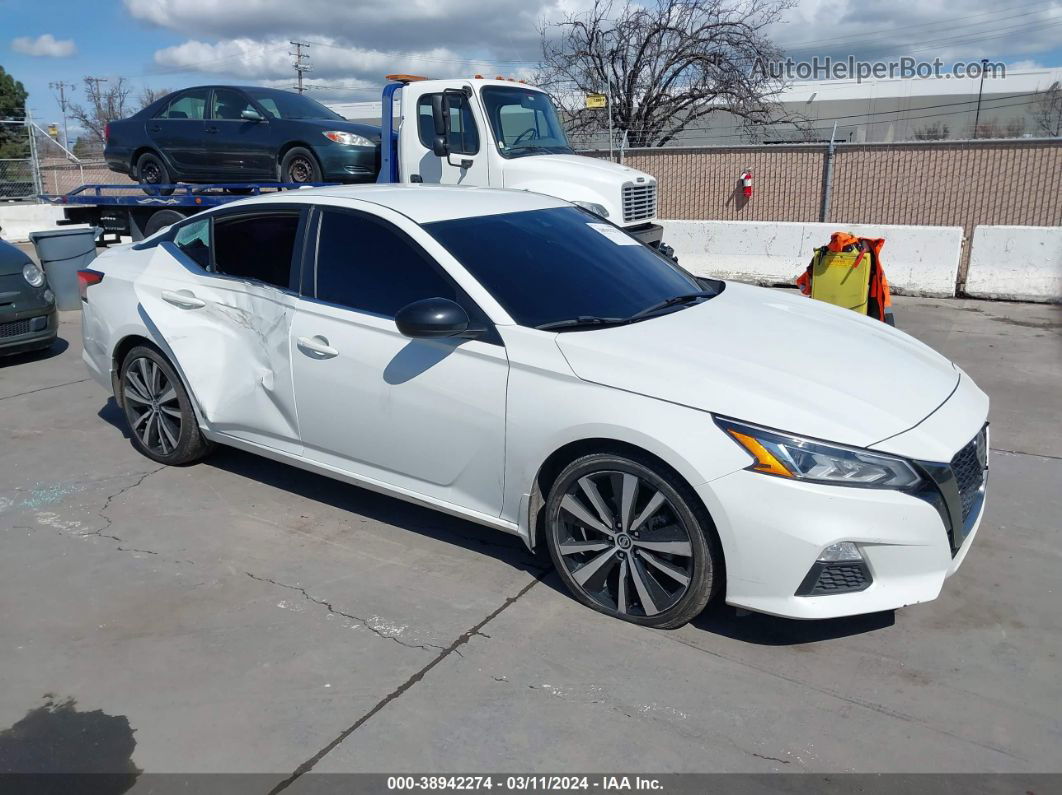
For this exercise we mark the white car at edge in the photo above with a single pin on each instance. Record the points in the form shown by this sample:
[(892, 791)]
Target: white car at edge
[(512, 359)]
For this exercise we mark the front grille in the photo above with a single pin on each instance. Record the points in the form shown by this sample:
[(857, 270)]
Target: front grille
[(968, 466), (827, 578), (639, 202), (14, 328)]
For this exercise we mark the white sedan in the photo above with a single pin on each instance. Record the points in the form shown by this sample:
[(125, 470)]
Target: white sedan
[(519, 362)]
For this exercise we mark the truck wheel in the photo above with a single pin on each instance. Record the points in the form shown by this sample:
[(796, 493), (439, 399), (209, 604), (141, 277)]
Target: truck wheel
[(160, 219), (150, 170), (299, 165)]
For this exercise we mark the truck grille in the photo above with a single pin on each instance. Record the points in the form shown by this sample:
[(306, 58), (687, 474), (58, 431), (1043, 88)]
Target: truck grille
[(968, 466), (639, 201), (14, 328)]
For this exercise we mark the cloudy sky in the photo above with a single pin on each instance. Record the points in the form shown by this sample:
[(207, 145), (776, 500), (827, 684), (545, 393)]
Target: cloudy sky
[(353, 43)]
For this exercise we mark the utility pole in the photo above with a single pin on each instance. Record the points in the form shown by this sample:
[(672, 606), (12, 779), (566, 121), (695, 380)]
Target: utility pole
[(980, 88), (301, 62), (61, 87)]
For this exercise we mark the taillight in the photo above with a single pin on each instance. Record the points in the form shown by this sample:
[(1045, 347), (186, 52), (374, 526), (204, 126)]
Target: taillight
[(86, 279), (107, 133)]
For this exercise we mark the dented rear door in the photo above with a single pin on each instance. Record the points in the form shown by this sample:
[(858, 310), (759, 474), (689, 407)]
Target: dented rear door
[(228, 336)]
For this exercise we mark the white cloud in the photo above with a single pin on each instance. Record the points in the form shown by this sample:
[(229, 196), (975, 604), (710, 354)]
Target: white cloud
[(44, 46)]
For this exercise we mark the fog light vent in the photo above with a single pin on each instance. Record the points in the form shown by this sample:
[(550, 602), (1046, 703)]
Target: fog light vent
[(827, 578)]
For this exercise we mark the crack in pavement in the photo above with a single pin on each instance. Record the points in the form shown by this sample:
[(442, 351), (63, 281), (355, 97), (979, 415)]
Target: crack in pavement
[(45, 388), (461, 640), (102, 512), (1022, 452), (363, 621)]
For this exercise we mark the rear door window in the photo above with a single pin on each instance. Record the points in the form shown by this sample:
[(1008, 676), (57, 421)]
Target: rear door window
[(188, 105), (257, 246)]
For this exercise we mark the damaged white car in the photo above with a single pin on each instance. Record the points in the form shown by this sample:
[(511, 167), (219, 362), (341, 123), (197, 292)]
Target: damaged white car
[(515, 360)]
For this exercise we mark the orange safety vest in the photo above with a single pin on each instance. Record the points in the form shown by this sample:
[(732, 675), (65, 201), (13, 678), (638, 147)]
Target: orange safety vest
[(879, 299)]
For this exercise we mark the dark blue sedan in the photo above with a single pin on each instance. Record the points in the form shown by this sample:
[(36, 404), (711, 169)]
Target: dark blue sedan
[(240, 134)]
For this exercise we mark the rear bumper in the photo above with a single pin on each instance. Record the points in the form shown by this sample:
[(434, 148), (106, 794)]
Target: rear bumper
[(42, 327)]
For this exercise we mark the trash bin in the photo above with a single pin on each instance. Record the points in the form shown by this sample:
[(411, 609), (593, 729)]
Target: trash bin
[(63, 252)]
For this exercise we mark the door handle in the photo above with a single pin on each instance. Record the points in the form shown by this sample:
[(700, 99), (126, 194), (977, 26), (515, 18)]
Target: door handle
[(183, 299), (155, 128), (316, 347), (211, 129)]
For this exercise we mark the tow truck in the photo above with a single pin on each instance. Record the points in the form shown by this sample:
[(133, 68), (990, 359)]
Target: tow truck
[(500, 133)]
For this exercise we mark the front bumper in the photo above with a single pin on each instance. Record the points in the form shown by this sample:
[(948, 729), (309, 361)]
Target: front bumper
[(773, 530), (347, 163), (31, 330)]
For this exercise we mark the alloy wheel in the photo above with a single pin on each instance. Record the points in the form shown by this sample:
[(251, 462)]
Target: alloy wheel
[(152, 405), (624, 544)]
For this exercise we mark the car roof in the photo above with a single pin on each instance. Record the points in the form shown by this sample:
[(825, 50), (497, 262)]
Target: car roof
[(424, 204)]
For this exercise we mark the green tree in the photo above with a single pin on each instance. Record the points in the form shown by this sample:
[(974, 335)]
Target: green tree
[(13, 140)]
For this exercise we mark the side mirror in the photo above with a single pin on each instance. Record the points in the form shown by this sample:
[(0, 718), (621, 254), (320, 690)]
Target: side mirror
[(432, 318), (250, 114), (439, 146)]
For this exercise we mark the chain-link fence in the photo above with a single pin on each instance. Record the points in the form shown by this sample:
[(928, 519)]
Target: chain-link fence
[(18, 172)]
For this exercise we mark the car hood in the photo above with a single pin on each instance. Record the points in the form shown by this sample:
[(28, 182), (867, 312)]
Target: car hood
[(774, 359)]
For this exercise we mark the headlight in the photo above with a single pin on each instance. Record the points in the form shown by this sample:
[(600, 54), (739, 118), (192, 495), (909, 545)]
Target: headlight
[(789, 456), (347, 138), (32, 274), (596, 209)]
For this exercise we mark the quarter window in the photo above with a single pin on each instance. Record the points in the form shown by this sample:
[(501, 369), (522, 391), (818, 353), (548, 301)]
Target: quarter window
[(194, 241), (367, 264), (463, 135), (189, 105)]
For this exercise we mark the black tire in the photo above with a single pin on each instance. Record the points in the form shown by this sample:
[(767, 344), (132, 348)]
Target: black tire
[(160, 219), (635, 571), (162, 424), (299, 165), (150, 170)]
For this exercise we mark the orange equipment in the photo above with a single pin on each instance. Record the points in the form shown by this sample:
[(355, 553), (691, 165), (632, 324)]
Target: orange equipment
[(848, 272)]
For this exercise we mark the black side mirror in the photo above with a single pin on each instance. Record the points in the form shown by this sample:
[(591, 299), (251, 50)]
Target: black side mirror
[(432, 318), (250, 114), (439, 146)]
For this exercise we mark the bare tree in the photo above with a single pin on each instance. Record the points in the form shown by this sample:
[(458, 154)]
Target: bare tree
[(937, 131), (671, 64), (107, 100), (1047, 111), (149, 95)]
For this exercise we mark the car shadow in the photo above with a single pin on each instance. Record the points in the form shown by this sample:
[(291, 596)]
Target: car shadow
[(717, 619), (506, 548), (53, 350), (764, 630)]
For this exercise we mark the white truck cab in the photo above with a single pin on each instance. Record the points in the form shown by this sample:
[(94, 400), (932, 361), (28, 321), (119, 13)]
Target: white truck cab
[(504, 134)]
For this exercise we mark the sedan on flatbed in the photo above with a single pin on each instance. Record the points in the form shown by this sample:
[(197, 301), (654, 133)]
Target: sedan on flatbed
[(517, 361), (240, 134)]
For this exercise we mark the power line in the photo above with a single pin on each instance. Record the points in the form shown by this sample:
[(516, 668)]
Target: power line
[(61, 87)]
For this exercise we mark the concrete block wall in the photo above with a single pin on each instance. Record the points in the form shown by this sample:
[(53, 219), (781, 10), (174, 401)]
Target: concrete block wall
[(18, 220), (1020, 263), (919, 260)]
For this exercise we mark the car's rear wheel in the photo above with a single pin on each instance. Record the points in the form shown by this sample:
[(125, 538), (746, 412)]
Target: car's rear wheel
[(630, 539), (299, 165), (151, 171), (159, 412)]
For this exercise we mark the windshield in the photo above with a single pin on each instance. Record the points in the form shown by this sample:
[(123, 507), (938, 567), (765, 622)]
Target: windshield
[(564, 264), (284, 105), (524, 122)]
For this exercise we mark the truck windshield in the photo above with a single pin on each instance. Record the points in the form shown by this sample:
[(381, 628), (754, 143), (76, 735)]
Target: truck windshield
[(285, 105), (565, 268), (524, 122)]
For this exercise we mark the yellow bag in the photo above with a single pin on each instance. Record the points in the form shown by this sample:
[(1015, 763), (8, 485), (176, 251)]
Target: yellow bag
[(842, 278)]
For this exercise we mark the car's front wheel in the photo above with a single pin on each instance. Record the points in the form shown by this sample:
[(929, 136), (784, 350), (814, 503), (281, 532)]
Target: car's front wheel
[(299, 165), (158, 409), (630, 539)]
